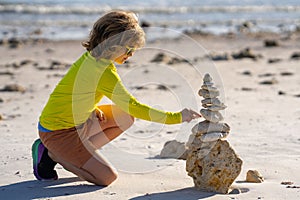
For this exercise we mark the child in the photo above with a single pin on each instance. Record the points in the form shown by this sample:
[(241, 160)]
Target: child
[(72, 126)]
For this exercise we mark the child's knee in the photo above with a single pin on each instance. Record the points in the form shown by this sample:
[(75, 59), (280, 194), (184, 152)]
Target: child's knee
[(107, 180), (128, 122), (132, 119)]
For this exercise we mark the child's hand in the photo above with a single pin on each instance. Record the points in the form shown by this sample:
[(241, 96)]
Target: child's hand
[(189, 114), (100, 115)]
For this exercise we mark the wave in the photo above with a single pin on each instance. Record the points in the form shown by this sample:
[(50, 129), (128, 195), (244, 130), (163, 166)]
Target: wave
[(59, 9)]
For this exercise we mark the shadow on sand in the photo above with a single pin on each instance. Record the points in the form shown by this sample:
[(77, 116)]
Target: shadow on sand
[(187, 194), (42, 189)]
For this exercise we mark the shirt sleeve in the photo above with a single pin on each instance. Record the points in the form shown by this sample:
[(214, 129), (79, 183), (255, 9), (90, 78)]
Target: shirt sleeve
[(112, 87)]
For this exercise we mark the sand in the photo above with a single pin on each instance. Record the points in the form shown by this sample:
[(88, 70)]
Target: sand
[(263, 110)]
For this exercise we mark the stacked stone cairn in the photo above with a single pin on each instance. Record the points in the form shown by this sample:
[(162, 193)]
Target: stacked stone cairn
[(211, 161)]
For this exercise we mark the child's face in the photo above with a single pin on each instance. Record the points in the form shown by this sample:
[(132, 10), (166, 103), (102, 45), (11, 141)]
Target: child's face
[(125, 56)]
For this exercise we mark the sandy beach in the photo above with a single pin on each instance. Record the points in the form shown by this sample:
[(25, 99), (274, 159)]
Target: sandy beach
[(261, 91)]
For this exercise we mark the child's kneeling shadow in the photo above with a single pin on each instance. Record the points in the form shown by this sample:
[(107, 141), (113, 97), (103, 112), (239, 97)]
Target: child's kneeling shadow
[(34, 189)]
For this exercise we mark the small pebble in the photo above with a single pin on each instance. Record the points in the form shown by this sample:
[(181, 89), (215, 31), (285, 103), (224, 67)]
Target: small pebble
[(271, 43), (293, 186), (286, 183), (13, 88), (162, 87), (269, 82), (235, 191), (286, 73), (274, 60), (248, 73), (246, 89), (295, 56)]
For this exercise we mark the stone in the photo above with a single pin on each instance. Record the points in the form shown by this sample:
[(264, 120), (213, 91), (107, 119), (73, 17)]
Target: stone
[(269, 82), (174, 149), (55, 65), (219, 56), (14, 43), (208, 127), (161, 57), (274, 60), (266, 75), (176, 60), (287, 183), (208, 83), (207, 78), (214, 136), (247, 89), (194, 143), (210, 88), (145, 24), (13, 88), (235, 191), (216, 171), (214, 101), (162, 87), (271, 43), (211, 116), (201, 153), (213, 107), (248, 73), (246, 53), (281, 92), (26, 62), (286, 73), (208, 94), (253, 176), (295, 56)]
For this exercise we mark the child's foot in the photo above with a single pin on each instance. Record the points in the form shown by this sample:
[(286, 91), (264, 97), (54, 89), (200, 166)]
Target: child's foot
[(43, 165)]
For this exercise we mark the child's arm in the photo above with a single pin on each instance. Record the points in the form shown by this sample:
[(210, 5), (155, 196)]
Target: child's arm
[(111, 86)]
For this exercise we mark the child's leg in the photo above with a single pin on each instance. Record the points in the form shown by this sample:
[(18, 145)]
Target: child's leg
[(96, 170), (117, 121)]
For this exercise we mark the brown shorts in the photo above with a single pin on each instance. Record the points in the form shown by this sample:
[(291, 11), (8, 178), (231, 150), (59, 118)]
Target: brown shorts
[(71, 145)]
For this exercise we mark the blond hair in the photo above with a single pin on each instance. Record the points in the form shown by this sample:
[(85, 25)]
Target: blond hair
[(112, 33)]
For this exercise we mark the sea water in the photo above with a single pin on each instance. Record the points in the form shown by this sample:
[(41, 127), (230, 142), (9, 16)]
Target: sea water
[(66, 19)]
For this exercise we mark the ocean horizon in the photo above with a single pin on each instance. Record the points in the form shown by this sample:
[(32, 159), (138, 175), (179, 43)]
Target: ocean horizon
[(65, 19)]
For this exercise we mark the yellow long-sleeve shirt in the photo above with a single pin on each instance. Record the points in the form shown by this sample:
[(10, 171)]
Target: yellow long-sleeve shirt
[(76, 96)]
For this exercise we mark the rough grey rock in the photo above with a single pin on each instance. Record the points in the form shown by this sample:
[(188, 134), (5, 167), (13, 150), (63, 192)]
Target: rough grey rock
[(209, 88), (216, 171), (174, 149), (207, 78), (214, 136), (253, 176), (213, 107), (214, 101), (211, 116), (208, 94), (208, 127)]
